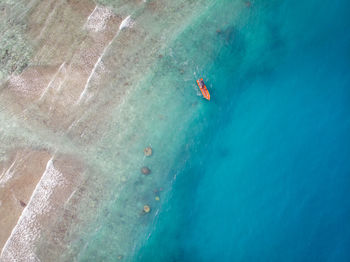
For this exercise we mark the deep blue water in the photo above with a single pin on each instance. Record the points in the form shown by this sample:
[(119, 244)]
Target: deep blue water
[(269, 177)]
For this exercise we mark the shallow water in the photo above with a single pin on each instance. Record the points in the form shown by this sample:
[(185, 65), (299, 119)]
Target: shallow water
[(86, 96), (84, 101)]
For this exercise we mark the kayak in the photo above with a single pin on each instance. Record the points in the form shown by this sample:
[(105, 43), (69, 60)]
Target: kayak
[(203, 89)]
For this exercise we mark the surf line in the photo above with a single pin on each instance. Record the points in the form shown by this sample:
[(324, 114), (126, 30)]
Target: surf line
[(127, 22), (52, 80), (26, 227)]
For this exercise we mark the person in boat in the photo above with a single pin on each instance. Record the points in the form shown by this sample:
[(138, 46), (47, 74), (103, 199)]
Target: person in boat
[(201, 83)]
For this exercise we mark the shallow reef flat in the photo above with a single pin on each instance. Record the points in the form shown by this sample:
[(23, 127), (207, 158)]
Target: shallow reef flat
[(85, 87)]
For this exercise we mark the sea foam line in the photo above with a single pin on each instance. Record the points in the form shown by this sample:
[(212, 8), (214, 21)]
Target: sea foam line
[(47, 20), (20, 244), (6, 176), (51, 81), (127, 22)]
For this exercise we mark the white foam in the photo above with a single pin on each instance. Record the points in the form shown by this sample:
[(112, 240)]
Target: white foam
[(6, 176), (126, 23), (70, 197), (47, 21), (52, 80), (20, 246), (64, 77), (19, 84), (98, 19), (83, 93)]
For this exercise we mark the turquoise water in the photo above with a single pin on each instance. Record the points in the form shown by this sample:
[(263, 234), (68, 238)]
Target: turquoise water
[(267, 173)]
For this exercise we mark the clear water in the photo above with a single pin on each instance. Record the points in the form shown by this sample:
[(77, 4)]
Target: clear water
[(267, 178)]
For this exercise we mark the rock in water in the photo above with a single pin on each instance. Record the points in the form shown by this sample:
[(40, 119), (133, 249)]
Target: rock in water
[(145, 170), (146, 208), (147, 151)]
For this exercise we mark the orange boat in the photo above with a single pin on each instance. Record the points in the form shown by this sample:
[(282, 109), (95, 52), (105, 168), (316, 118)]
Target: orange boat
[(203, 89)]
